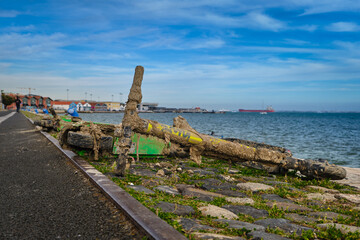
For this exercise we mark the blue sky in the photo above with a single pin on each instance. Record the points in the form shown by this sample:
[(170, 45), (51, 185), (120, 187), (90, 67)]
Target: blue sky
[(291, 54)]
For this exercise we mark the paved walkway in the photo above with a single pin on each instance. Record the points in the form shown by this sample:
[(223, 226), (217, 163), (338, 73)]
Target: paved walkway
[(44, 197)]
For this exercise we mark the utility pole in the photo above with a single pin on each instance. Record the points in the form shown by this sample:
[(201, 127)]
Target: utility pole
[(120, 94), (27, 89)]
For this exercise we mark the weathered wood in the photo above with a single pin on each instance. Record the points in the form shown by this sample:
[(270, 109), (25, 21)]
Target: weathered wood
[(200, 144), (86, 140)]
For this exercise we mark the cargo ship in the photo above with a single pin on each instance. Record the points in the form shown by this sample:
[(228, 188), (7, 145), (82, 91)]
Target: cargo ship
[(268, 109)]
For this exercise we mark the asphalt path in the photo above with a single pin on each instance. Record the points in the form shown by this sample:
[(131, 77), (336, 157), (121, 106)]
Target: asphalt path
[(43, 196)]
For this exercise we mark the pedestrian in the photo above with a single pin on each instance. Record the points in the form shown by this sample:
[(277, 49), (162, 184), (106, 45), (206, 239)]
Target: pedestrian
[(17, 102)]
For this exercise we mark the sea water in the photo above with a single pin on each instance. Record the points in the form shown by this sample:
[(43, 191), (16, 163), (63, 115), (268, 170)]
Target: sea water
[(308, 135)]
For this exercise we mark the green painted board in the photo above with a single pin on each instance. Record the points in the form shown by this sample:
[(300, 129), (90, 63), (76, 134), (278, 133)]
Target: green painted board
[(148, 145)]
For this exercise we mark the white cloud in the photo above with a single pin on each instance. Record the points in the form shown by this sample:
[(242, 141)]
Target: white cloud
[(343, 27), (9, 13), (20, 28)]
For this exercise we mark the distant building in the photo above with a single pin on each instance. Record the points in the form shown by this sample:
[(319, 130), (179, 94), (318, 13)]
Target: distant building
[(115, 106), (143, 107), (100, 107), (31, 101)]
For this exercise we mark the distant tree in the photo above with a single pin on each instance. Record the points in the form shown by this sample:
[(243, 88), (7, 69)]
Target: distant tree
[(7, 100)]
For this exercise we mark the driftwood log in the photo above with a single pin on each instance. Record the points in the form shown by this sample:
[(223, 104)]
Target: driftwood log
[(204, 145)]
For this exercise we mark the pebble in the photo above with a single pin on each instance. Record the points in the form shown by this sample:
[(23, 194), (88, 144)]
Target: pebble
[(218, 212), (177, 209), (350, 197), (289, 206), (322, 189), (167, 189), (140, 188), (325, 197), (282, 224), (238, 200), (254, 187), (213, 236), (260, 235), (190, 225), (328, 215), (248, 210), (343, 228), (239, 225)]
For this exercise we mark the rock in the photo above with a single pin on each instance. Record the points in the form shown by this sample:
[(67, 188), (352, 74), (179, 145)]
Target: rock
[(177, 209), (248, 210), (300, 218), (160, 173), (179, 169), (325, 197), (200, 194), (214, 184), (167, 189), (218, 212), (328, 215), (226, 178), (254, 187), (260, 235), (233, 171), (190, 225), (343, 228), (38, 128), (205, 172), (322, 189), (142, 172), (350, 197), (231, 193), (140, 188), (239, 225), (282, 224), (356, 208), (289, 206), (213, 236), (238, 200), (275, 197)]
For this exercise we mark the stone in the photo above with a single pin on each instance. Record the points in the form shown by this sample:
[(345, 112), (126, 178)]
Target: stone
[(254, 187), (213, 236), (282, 224), (275, 197), (240, 201), (214, 184), (260, 235), (325, 197), (328, 215), (200, 194), (322, 189), (160, 173), (239, 225), (226, 178), (167, 189), (233, 171), (352, 178), (218, 212), (277, 183), (343, 228), (140, 188), (204, 172), (300, 218), (142, 172), (190, 225), (289, 206), (231, 193), (350, 197), (177, 209), (247, 210), (356, 208)]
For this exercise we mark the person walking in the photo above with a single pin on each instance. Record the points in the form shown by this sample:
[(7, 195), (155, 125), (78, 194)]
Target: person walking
[(17, 102)]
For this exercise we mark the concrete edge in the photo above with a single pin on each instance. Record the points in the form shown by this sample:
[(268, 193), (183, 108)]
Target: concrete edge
[(147, 221)]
